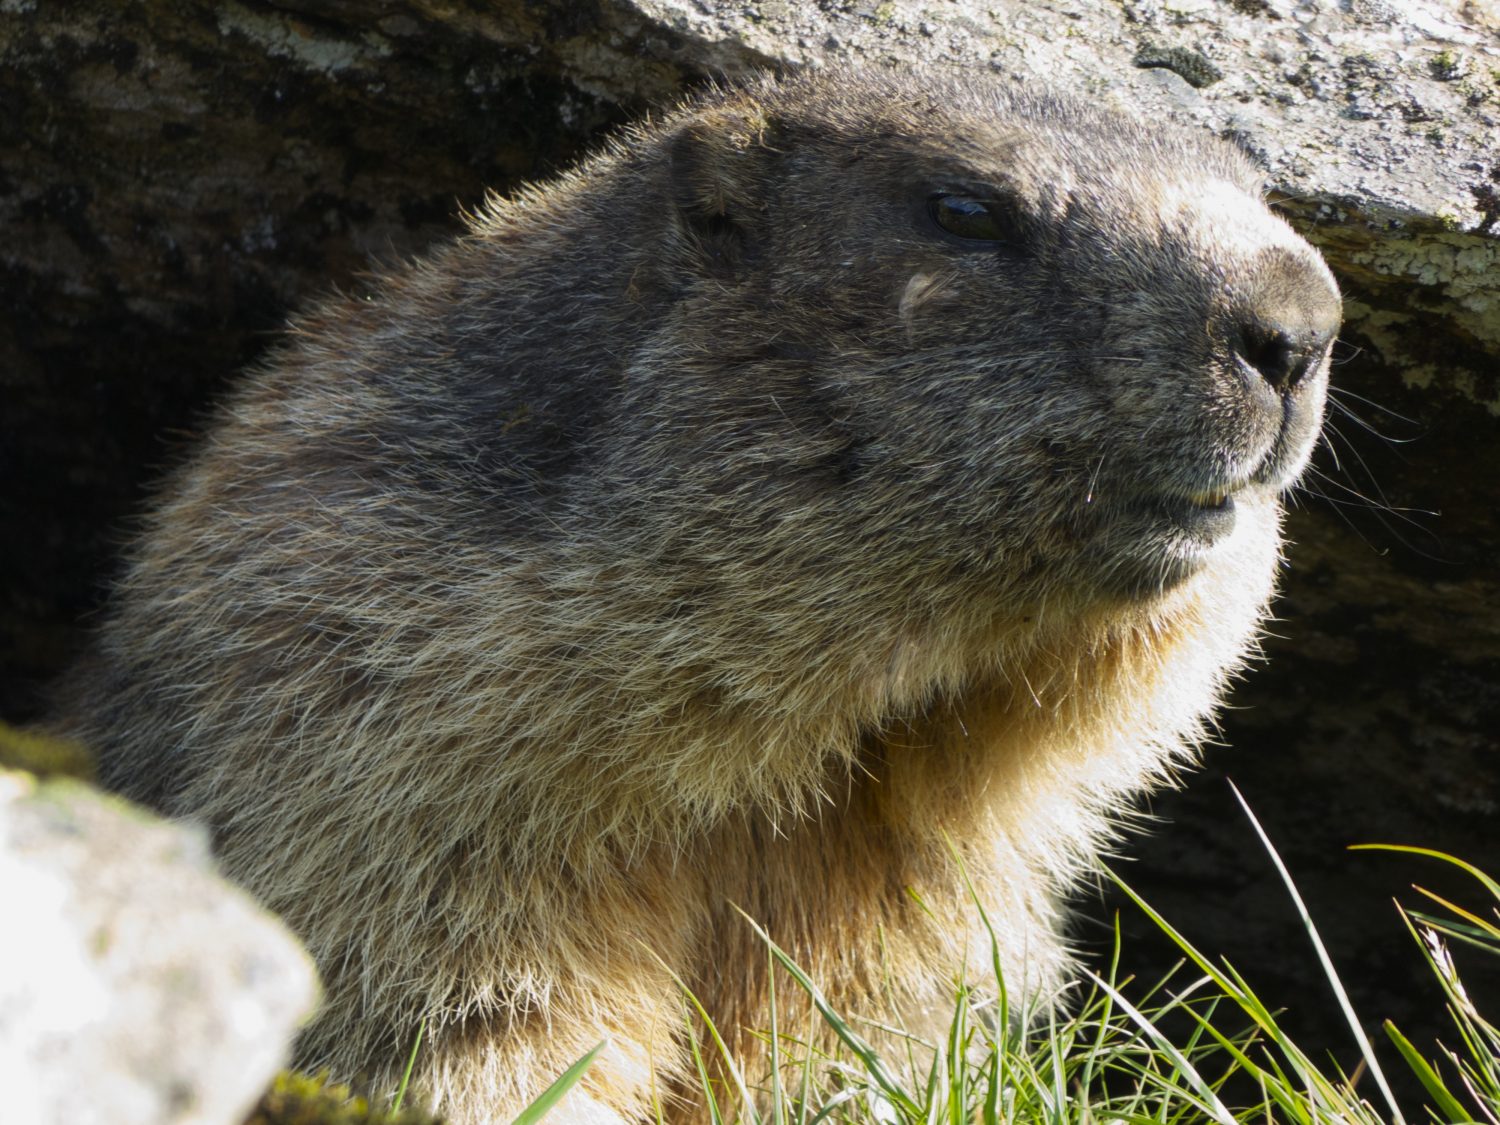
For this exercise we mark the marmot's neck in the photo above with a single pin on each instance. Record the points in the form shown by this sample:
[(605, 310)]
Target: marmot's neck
[(1030, 742)]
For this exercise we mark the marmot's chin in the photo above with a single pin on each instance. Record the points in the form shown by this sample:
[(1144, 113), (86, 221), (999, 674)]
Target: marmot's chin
[(1155, 544)]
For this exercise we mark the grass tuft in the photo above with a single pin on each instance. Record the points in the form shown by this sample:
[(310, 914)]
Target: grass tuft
[(1178, 1051), (1167, 1053)]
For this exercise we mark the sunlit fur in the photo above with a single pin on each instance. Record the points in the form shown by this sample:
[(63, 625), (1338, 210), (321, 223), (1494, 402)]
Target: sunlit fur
[(705, 530)]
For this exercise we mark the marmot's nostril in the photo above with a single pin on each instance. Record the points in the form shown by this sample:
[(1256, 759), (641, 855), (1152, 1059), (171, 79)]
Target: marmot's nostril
[(1281, 357)]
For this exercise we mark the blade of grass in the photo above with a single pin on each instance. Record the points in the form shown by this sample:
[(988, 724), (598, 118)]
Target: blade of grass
[(555, 1092), (1057, 1069), (411, 1061), (1315, 1090), (935, 1075), (1365, 1046), (1466, 935), (777, 1109), (1482, 925), (715, 1117), (1431, 1081), (991, 1111), (1226, 978), (1207, 1100), (850, 1038), (724, 1053), (1480, 1040), (1273, 1083), (843, 1097), (957, 1059), (729, 1064), (1489, 884)]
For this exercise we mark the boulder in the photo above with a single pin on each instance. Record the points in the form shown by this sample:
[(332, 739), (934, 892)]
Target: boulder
[(137, 986)]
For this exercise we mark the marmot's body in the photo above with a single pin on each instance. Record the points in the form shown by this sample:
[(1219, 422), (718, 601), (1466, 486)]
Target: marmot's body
[(828, 471)]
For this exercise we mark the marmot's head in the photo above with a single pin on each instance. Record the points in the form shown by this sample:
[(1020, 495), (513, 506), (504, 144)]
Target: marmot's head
[(973, 331)]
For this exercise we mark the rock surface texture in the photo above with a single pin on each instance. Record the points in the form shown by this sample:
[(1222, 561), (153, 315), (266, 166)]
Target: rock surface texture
[(136, 987), (174, 178)]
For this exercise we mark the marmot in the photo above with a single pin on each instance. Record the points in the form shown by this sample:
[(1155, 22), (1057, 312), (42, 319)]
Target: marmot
[(839, 466)]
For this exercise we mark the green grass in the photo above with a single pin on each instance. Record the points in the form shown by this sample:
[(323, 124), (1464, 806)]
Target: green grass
[(1182, 1049)]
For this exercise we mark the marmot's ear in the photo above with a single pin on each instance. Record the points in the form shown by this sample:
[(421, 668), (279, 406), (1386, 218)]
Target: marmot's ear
[(719, 166)]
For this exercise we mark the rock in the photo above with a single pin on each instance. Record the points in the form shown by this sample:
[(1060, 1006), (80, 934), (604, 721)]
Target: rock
[(137, 986)]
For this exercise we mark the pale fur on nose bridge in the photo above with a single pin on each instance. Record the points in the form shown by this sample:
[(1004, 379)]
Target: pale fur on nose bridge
[(1226, 217)]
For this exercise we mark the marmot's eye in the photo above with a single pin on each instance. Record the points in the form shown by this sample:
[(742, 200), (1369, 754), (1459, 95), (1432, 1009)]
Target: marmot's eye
[(974, 219)]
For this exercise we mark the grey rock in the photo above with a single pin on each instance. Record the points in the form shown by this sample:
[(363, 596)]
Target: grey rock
[(137, 987)]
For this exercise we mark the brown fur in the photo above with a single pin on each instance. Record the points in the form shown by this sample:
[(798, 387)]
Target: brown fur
[(708, 529)]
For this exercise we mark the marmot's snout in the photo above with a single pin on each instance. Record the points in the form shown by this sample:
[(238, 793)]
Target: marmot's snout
[(1282, 352), (1281, 347)]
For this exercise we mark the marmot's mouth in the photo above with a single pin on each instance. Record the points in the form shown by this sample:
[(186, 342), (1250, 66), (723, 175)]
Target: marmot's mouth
[(1211, 499), (1154, 540), (1205, 517), (1212, 519), (1194, 522)]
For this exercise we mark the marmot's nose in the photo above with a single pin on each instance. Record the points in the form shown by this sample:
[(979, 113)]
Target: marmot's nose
[(1291, 316), (1282, 354)]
